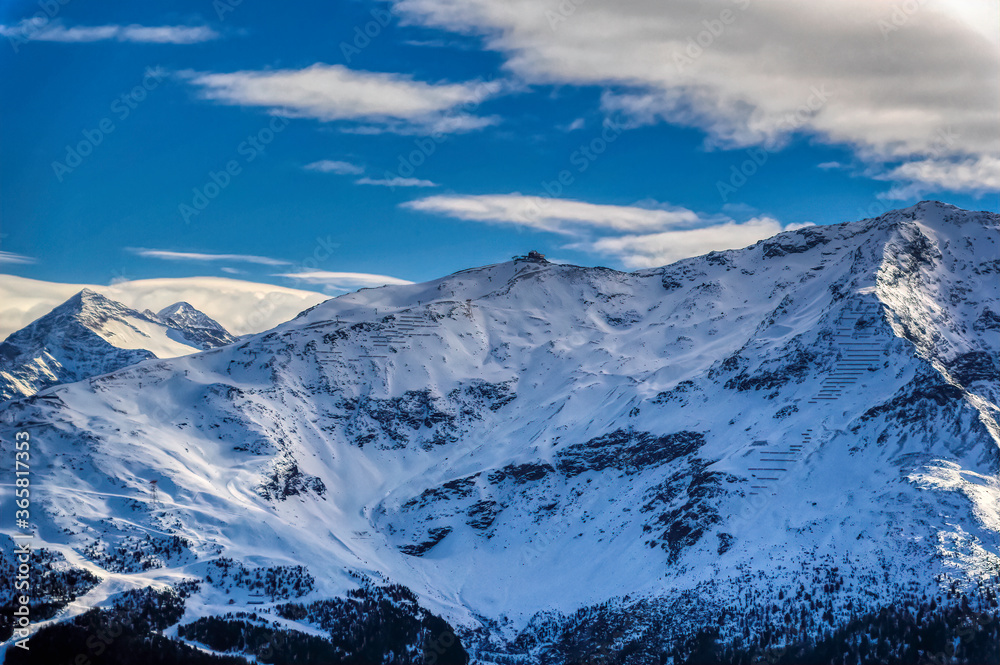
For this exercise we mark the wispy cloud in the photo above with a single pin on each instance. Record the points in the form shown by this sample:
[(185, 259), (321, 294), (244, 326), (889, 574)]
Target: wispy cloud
[(395, 182), (332, 166), (548, 214), (343, 281), (656, 249), (638, 237), (12, 258), (161, 34), (382, 101), (346, 168), (168, 255)]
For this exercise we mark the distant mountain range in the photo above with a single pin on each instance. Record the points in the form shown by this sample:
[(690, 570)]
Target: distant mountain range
[(784, 453), (90, 335), (240, 306)]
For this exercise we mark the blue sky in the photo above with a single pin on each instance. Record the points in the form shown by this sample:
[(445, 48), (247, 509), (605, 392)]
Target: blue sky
[(438, 140)]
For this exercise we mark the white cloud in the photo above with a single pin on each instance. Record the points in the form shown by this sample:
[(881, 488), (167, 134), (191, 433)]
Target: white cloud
[(167, 34), (549, 214), (829, 166), (395, 182), (12, 258), (446, 124), (346, 168), (162, 34), (383, 101), (919, 177), (638, 237), (883, 77), (168, 255), (657, 249), (331, 166), (343, 281)]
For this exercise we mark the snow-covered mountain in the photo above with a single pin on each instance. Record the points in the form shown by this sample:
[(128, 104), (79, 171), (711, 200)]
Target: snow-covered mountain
[(561, 461), (240, 306), (196, 327), (90, 335)]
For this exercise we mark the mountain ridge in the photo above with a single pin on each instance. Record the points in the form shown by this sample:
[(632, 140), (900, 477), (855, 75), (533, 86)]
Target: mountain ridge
[(697, 438)]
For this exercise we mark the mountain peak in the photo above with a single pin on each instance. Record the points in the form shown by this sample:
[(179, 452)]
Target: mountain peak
[(936, 214), (87, 296), (92, 306), (180, 307), (186, 315)]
